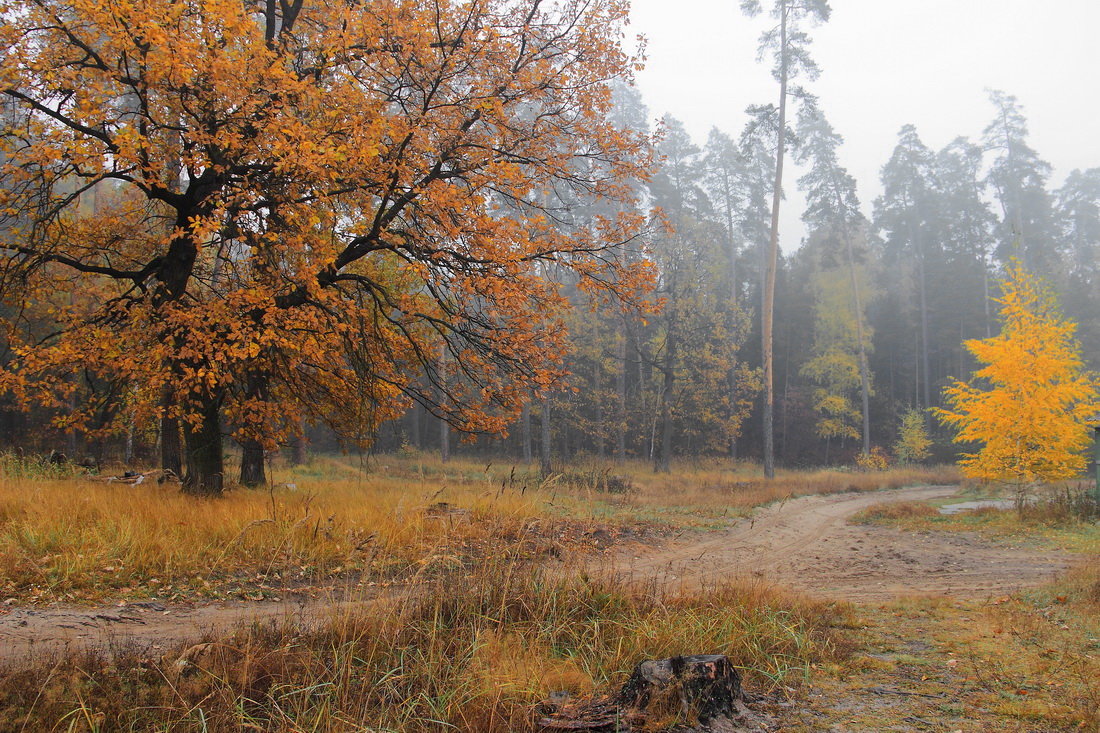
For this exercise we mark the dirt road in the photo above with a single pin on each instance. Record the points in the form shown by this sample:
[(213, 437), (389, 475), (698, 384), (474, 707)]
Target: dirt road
[(807, 544), (804, 543)]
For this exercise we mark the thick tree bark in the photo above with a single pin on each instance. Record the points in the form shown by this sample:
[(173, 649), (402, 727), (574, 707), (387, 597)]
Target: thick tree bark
[(767, 317), (205, 458), (252, 450), (171, 454), (252, 464)]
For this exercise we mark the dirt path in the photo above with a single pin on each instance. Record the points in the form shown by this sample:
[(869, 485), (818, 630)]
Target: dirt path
[(808, 545), (34, 633), (804, 543)]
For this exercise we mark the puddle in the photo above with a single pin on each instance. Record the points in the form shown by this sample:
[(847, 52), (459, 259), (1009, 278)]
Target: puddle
[(967, 506)]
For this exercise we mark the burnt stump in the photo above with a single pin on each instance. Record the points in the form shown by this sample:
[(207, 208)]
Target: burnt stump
[(707, 686)]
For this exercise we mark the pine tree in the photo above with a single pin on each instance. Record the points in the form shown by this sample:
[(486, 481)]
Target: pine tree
[(832, 210), (789, 44), (906, 215), (1018, 176)]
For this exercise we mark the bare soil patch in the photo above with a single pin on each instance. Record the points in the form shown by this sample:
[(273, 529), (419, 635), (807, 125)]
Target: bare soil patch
[(807, 544)]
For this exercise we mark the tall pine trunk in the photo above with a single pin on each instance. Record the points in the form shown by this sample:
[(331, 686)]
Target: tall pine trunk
[(734, 312), (768, 315), (864, 375), (620, 389), (663, 461)]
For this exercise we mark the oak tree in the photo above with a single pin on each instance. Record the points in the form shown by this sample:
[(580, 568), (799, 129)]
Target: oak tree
[(299, 205)]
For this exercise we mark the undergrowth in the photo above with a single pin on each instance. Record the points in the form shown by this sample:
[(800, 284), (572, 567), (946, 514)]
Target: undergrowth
[(338, 519), (468, 653)]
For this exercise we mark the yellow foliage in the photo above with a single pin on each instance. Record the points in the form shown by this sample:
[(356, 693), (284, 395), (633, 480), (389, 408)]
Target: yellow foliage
[(1029, 404), (913, 441), (266, 211)]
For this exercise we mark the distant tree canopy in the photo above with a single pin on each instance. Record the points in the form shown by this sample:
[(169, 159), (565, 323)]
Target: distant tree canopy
[(252, 212)]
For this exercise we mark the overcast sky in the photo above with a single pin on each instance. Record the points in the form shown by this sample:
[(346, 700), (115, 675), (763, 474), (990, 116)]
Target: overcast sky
[(885, 63)]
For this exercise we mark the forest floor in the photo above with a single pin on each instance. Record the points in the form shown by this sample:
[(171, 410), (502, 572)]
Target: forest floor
[(969, 622), (805, 544)]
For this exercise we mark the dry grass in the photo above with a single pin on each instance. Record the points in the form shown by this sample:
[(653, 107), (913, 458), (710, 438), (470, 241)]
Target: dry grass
[(77, 539), (474, 655), (715, 482)]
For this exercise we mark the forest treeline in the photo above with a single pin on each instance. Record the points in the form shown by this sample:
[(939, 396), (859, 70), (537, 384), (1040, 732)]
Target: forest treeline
[(259, 223), (913, 274)]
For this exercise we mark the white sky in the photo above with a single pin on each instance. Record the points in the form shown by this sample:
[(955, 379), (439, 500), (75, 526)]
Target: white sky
[(885, 63)]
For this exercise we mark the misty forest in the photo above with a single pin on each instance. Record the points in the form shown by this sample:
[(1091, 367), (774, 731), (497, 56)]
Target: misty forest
[(393, 366)]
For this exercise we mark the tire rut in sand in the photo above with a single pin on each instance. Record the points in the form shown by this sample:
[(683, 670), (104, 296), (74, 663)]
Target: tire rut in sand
[(807, 544)]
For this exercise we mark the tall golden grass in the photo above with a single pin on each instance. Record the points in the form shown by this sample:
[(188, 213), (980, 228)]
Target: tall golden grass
[(469, 653), (81, 539)]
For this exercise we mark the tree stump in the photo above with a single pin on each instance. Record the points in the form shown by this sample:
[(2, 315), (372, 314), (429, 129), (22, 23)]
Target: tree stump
[(706, 686)]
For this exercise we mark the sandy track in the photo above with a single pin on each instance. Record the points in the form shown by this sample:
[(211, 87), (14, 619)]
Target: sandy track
[(36, 634), (807, 544), (804, 543)]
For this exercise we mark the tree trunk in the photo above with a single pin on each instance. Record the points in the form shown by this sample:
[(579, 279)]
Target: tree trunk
[(128, 450), (768, 314), (734, 310), (864, 376), (924, 339), (171, 454), (663, 462), (601, 440), (252, 450), (203, 441), (925, 385), (252, 464), (525, 437), (298, 449), (444, 441), (414, 427), (444, 426), (545, 448), (620, 388)]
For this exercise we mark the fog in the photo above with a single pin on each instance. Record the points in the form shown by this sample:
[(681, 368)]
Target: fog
[(884, 64)]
